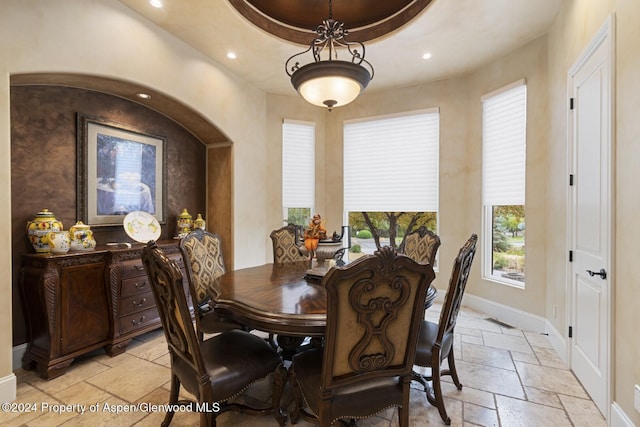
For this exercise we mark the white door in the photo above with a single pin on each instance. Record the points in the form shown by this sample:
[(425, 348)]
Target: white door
[(590, 124)]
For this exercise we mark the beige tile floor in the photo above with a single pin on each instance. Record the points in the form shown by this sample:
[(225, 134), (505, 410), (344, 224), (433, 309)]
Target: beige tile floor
[(511, 377)]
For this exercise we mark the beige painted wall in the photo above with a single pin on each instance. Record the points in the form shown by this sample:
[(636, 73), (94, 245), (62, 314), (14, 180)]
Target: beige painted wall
[(38, 36), (161, 62), (293, 108), (458, 99), (576, 25), (544, 64)]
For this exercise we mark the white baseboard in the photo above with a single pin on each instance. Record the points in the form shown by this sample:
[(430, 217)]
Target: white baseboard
[(558, 342), (17, 353), (8, 386), (509, 315), (619, 418)]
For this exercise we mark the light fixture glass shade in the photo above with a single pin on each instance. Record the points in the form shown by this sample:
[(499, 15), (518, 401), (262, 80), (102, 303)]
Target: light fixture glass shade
[(335, 90), (330, 83)]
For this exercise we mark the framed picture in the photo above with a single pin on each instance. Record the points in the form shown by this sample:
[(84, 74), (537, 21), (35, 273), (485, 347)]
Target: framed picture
[(120, 170)]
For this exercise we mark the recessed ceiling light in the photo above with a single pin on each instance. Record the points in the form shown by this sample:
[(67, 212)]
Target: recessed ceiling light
[(231, 55), (143, 95), (426, 56), (155, 3)]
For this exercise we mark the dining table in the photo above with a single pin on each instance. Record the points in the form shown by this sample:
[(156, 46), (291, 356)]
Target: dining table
[(286, 299)]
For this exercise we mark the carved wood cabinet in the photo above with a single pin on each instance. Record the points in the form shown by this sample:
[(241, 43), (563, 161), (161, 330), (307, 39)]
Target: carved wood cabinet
[(77, 302), (134, 309)]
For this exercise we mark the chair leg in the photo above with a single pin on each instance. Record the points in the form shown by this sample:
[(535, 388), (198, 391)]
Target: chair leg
[(279, 380), (452, 370), (207, 419), (294, 416), (403, 411), (173, 400), (437, 394)]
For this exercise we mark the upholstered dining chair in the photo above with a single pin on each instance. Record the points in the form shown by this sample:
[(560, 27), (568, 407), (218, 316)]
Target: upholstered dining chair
[(422, 245), (435, 343), (204, 263), (218, 369), (285, 245), (374, 310)]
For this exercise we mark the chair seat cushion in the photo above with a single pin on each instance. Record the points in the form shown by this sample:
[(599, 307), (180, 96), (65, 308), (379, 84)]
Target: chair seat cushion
[(361, 400), (234, 360), (426, 339)]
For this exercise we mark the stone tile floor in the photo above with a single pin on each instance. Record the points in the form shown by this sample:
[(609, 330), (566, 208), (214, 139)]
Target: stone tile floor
[(510, 377)]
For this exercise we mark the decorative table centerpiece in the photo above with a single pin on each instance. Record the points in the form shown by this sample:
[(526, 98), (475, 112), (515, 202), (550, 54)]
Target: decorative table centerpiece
[(314, 232)]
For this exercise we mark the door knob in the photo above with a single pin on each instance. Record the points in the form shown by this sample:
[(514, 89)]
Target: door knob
[(601, 273)]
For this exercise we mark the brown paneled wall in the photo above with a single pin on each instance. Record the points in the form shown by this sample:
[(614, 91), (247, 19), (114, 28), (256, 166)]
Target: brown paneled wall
[(43, 165)]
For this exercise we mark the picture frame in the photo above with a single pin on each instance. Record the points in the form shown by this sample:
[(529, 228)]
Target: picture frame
[(121, 169)]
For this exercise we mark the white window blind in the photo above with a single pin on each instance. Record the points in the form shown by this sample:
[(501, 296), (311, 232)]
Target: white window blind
[(504, 146), (298, 164), (391, 164)]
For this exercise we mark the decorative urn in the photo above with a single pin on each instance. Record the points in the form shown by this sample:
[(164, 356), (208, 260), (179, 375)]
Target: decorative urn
[(81, 237), (37, 230), (199, 222), (184, 223), (59, 242)]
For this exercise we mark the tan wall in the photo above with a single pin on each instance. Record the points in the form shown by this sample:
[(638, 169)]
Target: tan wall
[(280, 108), (544, 64), (450, 96), (37, 36), (576, 25), (458, 99), (161, 62)]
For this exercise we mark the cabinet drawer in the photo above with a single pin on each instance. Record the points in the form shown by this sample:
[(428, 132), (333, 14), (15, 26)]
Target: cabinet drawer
[(136, 303), (132, 268), (135, 286), (138, 320)]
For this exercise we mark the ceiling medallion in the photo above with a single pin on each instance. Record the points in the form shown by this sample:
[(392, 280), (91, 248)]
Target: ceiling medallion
[(330, 81)]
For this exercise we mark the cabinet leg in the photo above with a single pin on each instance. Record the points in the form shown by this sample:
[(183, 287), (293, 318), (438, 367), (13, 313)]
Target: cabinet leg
[(49, 372), (117, 348)]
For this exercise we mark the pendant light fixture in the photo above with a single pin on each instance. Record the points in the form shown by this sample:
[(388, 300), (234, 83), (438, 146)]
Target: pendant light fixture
[(329, 81)]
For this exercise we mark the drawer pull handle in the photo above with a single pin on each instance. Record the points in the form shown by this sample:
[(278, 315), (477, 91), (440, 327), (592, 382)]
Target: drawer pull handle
[(139, 304), (138, 322), (140, 285), (139, 267)]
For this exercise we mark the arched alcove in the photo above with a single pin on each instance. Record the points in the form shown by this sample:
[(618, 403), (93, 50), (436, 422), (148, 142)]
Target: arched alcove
[(198, 157)]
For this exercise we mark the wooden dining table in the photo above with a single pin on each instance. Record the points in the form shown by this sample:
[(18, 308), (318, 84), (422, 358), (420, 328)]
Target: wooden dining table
[(280, 299)]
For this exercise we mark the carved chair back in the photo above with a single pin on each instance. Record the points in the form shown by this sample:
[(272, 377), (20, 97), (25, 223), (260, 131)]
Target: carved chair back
[(285, 244), (422, 245), (453, 298), (374, 309), (204, 263), (166, 283), (215, 370)]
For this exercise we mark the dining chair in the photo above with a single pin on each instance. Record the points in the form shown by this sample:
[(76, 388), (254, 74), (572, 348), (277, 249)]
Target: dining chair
[(421, 245), (204, 263), (216, 370), (285, 245), (435, 343), (374, 310)]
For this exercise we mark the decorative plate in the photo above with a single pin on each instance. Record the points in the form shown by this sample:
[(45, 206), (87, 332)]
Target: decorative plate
[(141, 226)]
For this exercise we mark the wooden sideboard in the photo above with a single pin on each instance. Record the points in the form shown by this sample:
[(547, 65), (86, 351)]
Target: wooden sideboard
[(80, 301)]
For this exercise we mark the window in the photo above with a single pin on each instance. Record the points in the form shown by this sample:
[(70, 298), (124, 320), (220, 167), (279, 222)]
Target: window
[(298, 171), (391, 176), (503, 183)]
